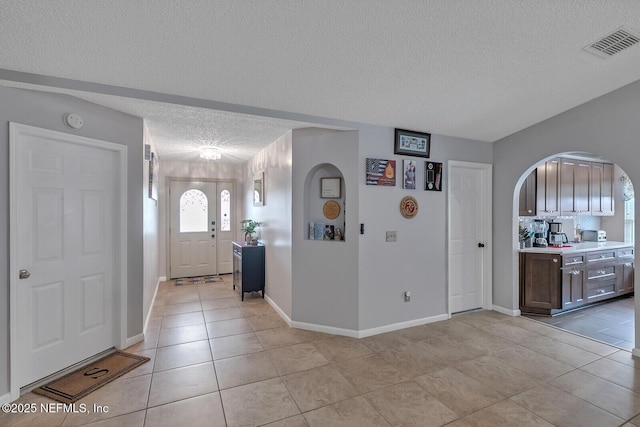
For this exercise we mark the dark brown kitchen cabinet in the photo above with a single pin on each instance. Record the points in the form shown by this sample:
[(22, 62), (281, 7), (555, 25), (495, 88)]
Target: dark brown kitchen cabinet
[(528, 196), (602, 189), (548, 188), (574, 187), (540, 277), (552, 283), (573, 281), (626, 273)]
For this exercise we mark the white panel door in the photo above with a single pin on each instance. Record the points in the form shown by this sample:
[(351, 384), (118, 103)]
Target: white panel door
[(467, 238), (193, 226), (65, 223), (225, 229)]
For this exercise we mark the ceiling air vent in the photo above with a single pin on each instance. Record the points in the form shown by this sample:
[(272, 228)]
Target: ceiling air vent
[(615, 42)]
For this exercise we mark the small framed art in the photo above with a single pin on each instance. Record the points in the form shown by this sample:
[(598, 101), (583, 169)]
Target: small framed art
[(432, 176), (330, 188), (411, 143)]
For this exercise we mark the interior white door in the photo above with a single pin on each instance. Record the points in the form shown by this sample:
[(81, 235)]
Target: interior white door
[(225, 229), (193, 226), (64, 222), (469, 231)]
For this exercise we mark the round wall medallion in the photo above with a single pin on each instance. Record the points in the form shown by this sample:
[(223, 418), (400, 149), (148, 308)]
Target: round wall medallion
[(331, 209), (408, 207)]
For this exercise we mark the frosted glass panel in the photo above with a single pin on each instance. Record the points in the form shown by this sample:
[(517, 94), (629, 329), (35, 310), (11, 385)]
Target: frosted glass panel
[(225, 210), (194, 209)]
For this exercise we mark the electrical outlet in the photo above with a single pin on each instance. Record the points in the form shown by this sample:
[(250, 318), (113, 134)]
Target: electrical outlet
[(392, 236)]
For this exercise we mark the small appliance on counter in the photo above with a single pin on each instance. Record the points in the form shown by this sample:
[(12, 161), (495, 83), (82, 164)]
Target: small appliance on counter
[(594, 235), (540, 228), (556, 237)]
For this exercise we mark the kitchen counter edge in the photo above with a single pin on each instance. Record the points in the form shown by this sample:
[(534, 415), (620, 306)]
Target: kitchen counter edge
[(578, 247)]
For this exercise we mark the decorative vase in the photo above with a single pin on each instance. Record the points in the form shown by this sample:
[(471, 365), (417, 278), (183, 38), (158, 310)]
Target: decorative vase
[(254, 241), (248, 238)]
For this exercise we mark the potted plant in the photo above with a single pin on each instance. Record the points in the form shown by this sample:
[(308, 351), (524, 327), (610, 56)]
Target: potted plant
[(249, 227)]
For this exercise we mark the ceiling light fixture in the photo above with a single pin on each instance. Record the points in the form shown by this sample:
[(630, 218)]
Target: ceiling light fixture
[(210, 154)]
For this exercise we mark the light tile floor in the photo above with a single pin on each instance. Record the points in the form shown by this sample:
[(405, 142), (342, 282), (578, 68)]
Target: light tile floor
[(217, 361)]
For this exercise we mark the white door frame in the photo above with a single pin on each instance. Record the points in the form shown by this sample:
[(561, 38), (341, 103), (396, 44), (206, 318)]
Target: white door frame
[(487, 266), (167, 199), (120, 241)]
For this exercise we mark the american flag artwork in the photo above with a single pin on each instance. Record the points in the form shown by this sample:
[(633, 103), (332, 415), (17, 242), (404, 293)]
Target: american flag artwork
[(381, 172)]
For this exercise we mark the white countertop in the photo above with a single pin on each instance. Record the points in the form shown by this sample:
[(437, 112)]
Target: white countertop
[(578, 247)]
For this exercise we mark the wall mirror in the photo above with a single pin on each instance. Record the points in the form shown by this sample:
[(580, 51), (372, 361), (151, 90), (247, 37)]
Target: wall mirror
[(258, 189)]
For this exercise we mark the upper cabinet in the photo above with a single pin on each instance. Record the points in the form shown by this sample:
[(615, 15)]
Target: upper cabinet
[(601, 189), (574, 187), (528, 196), (548, 188), (568, 187)]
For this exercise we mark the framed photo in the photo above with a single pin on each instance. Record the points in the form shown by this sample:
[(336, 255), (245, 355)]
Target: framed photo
[(381, 172), (258, 189), (432, 176), (330, 188), (410, 143), (410, 178), (153, 177)]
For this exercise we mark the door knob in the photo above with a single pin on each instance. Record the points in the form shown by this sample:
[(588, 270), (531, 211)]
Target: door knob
[(24, 274), (481, 245)]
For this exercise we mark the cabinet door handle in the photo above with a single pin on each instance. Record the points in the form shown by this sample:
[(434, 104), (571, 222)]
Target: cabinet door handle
[(627, 264), (555, 260)]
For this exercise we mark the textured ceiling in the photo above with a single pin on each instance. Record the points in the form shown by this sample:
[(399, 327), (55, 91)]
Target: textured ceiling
[(479, 69)]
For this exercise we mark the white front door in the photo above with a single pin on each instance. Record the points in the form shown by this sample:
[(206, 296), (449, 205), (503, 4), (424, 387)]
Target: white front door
[(193, 227), (469, 236), (65, 222)]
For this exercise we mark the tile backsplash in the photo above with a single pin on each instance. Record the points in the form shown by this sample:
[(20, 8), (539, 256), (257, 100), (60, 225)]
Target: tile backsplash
[(569, 223)]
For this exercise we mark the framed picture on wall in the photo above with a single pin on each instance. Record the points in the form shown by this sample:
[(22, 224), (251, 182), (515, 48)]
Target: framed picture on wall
[(433, 176), (330, 188), (153, 177), (411, 143)]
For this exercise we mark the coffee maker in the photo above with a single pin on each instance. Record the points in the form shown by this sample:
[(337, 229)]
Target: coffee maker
[(540, 228), (556, 237)]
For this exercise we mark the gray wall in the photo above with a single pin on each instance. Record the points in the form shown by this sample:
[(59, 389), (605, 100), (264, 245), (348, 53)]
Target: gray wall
[(46, 111), (325, 273), (417, 262), (607, 126), (275, 215)]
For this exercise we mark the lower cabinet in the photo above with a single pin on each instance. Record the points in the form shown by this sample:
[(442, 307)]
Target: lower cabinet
[(552, 283)]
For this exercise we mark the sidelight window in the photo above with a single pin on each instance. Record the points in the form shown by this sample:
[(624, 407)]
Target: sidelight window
[(225, 210)]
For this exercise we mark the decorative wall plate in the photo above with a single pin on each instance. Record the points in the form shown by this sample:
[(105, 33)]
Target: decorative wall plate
[(331, 209), (408, 207)]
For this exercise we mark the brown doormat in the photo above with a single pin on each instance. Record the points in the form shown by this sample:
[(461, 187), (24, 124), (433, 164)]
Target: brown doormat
[(197, 280), (91, 377)]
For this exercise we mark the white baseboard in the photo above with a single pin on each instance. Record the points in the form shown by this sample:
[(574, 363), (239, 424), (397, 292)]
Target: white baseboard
[(508, 312), (5, 398), (401, 325), (325, 329), (133, 340), (635, 352), (162, 278), (278, 310), (153, 301), (368, 332)]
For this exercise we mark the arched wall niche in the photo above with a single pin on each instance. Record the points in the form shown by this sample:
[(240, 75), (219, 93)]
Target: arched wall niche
[(316, 208)]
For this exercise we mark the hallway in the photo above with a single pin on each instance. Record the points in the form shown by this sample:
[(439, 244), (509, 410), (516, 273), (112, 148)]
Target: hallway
[(217, 361)]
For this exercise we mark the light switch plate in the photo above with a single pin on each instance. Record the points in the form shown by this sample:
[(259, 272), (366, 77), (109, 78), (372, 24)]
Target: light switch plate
[(392, 236)]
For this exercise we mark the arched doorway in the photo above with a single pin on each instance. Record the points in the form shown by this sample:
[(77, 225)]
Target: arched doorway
[(593, 295)]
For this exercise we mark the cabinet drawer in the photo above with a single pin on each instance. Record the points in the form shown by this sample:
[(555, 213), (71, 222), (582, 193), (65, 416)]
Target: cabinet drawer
[(573, 260), (601, 256), (625, 253), (604, 289), (603, 273)]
